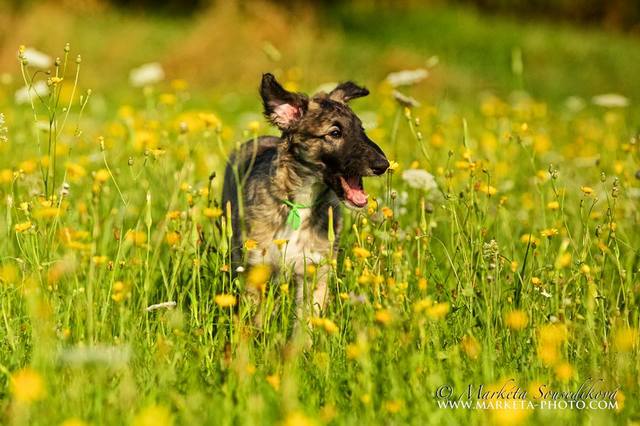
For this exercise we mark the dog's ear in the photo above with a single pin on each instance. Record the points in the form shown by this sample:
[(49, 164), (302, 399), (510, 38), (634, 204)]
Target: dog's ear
[(344, 92), (282, 108)]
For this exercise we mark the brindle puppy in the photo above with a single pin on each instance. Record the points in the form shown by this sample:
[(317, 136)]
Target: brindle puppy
[(318, 162)]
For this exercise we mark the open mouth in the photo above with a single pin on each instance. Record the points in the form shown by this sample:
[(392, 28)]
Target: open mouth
[(354, 191)]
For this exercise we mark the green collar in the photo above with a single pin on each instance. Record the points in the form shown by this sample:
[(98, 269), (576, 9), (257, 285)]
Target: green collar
[(293, 218)]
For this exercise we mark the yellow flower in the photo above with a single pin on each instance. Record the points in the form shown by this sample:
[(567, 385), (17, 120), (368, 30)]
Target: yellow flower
[(297, 418), (563, 261), (438, 311), (553, 333), (587, 190), (274, 381), (361, 253), (526, 237), (120, 291), (387, 212), (212, 213), (353, 351), (422, 305), (564, 371), (136, 237), (383, 316), (47, 212), (625, 339), (210, 119), (173, 215), (325, 323), (548, 233), (258, 276), (393, 406), (422, 284), (536, 281), (487, 189), (75, 171), (250, 244), (225, 300), (74, 421), (27, 385), (99, 260), (470, 346), (8, 274), (167, 99), (172, 238), (393, 166), (179, 84), (24, 226), (553, 205), (620, 397), (254, 126), (516, 319), (153, 415), (280, 243), (102, 176)]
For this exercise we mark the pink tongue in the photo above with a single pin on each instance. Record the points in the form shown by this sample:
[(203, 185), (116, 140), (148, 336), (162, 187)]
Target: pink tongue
[(353, 191)]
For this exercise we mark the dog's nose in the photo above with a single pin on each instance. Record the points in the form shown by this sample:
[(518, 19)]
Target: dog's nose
[(379, 166)]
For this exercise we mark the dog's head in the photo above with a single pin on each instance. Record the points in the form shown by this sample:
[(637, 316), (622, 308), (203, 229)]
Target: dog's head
[(325, 135)]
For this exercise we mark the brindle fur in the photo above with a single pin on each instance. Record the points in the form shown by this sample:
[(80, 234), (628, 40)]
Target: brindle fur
[(302, 166)]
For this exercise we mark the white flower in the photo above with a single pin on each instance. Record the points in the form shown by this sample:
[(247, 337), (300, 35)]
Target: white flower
[(404, 100), (37, 59), (419, 179), (164, 305), (610, 100), (146, 74), (407, 77), (39, 88)]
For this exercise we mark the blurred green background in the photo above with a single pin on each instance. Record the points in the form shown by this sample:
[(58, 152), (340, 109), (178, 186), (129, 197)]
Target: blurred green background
[(563, 48)]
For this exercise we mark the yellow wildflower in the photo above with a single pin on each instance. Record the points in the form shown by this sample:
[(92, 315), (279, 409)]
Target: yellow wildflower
[(172, 238), (470, 346), (153, 415), (516, 319), (361, 253), (553, 205), (250, 244), (27, 385), (383, 316), (438, 310), (225, 300), (23, 226), (212, 213), (258, 276), (274, 381), (625, 339)]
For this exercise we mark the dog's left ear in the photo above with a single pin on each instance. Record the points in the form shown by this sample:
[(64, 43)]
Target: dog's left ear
[(281, 107), (344, 92)]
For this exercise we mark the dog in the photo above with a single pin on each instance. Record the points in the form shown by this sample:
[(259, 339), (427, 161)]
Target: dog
[(286, 188)]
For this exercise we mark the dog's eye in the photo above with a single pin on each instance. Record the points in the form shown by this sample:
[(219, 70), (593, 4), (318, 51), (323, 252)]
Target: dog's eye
[(335, 133)]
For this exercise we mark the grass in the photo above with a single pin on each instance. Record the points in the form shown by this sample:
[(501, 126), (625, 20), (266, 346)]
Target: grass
[(522, 263)]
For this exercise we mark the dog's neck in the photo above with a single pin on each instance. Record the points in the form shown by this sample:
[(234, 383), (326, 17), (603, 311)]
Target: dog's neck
[(295, 181)]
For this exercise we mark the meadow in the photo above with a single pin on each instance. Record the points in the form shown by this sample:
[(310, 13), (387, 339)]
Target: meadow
[(502, 246)]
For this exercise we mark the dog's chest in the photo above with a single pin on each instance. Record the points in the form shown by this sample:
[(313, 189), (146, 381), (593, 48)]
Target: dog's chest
[(303, 244)]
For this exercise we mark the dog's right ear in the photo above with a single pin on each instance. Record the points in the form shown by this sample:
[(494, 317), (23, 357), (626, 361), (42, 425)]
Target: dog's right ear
[(282, 108)]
